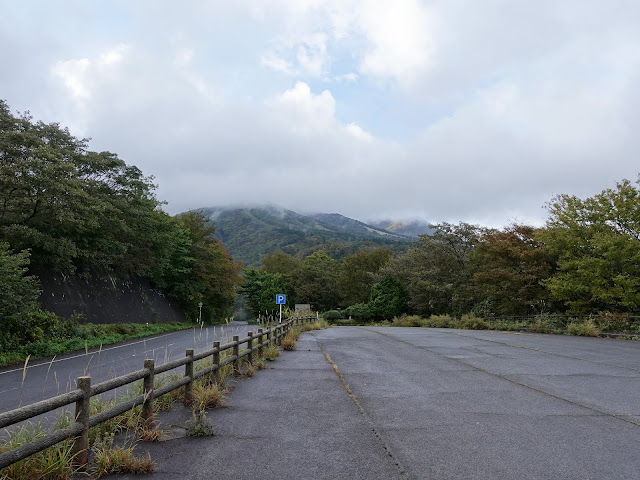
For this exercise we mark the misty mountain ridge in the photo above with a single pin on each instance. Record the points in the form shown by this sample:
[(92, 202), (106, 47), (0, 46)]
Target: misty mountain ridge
[(251, 232)]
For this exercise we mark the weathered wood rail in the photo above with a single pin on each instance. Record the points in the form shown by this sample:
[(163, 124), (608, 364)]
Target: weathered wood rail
[(81, 396)]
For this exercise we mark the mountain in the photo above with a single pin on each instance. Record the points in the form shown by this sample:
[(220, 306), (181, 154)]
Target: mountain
[(408, 229), (252, 232)]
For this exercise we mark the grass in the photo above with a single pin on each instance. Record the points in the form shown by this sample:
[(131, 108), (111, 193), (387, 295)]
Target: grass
[(108, 459), (89, 336), (208, 395), (591, 327), (271, 352), (289, 342), (53, 463)]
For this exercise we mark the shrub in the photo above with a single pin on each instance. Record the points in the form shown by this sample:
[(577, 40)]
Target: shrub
[(471, 322), (332, 316), (409, 321), (585, 329), (440, 321), (360, 312)]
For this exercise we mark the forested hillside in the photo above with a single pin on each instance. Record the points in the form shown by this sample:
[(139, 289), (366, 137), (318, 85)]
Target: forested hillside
[(252, 233), (584, 261), (80, 213)]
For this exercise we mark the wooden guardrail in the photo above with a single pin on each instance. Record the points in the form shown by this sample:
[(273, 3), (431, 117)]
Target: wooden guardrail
[(81, 396)]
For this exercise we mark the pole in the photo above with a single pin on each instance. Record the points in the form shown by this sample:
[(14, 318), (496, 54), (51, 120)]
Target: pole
[(280, 313)]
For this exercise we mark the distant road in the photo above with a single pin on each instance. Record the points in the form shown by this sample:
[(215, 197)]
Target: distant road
[(46, 378)]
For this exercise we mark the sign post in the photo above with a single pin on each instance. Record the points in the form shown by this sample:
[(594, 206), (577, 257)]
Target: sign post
[(281, 299)]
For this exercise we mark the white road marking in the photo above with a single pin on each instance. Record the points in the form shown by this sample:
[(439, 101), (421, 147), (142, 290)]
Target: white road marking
[(91, 353)]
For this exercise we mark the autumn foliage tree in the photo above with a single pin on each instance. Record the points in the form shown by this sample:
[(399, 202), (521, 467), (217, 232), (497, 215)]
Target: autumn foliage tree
[(508, 270)]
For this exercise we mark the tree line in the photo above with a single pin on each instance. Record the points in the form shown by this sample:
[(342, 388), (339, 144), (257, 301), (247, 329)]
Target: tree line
[(68, 209), (584, 260)]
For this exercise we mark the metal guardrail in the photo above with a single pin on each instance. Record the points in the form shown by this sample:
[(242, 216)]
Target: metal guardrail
[(81, 397)]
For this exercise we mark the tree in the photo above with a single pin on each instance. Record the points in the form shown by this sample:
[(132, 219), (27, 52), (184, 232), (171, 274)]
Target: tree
[(436, 271), (212, 277), (260, 289), (280, 262), (388, 298), (316, 282), (19, 294), (76, 210), (358, 272), (508, 270), (597, 241)]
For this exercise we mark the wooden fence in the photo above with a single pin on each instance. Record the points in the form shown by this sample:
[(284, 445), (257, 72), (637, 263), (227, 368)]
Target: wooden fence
[(81, 396)]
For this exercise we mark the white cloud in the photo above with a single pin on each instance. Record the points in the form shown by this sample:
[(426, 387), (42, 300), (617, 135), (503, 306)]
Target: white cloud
[(401, 36), (449, 110), (82, 75), (302, 110)]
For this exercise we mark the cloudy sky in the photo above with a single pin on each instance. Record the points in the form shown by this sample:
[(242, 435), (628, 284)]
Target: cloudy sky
[(449, 110)]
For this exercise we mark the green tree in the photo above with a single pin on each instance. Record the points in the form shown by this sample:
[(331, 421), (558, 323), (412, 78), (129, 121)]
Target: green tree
[(316, 282), (597, 241), (76, 210), (19, 294), (388, 298), (260, 288), (358, 272), (280, 262)]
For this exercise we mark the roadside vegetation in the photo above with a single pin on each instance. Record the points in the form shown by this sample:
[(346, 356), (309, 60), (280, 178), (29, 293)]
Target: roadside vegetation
[(113, 443)]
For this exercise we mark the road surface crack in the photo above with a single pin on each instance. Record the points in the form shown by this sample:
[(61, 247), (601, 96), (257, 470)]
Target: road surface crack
[(371, 425)]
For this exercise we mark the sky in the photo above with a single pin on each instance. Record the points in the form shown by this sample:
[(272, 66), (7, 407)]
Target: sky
[(442, 110)]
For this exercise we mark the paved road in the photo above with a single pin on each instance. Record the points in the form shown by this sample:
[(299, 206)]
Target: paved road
[(46, 378), (426, 403)]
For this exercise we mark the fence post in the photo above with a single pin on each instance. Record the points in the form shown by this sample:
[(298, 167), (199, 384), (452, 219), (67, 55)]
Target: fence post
[(81, 442), (188, 372), (250, 345), (260, 341), (147, 406), (236, 353), (216, 361)]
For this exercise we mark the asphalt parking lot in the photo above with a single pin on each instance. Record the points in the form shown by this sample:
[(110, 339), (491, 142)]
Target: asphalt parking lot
[(360, 402)]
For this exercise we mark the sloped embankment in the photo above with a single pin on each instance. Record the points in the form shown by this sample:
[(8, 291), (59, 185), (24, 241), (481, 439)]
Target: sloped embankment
[(107, 300)]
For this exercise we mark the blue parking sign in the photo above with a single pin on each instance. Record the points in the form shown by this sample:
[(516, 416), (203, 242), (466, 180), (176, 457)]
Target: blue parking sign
[(281, 299)]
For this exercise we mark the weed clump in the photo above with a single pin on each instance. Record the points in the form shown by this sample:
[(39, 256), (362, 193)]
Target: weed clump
[(271, 352), (199, 425), (289, 342), (110, 459), (584, 329)]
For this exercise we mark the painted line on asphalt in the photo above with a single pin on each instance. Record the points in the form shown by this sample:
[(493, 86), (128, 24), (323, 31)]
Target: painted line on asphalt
[(90, 353), (354, 399)]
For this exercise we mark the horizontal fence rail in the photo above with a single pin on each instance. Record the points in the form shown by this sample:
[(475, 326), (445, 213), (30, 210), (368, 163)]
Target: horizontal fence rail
[(81, 396)]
